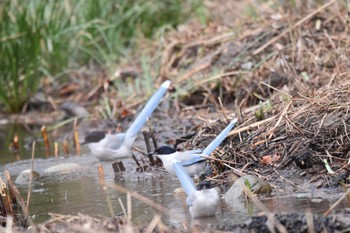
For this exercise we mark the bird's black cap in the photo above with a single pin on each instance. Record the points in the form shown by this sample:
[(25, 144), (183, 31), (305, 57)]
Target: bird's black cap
[(94, 136), (163, 150)]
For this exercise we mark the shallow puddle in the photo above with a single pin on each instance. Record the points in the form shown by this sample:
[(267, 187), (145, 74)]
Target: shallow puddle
[(80, 192)]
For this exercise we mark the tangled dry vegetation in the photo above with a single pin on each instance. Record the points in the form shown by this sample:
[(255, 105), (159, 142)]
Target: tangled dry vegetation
[(296, 134)]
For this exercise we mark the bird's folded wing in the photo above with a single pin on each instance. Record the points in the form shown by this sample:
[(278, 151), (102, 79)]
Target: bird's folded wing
[(217, 141), (141, 119), (184, 178), (195, 158)]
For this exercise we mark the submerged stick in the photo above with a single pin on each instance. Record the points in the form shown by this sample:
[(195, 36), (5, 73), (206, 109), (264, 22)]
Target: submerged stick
[(30, 177), (136, 161), (101, 177), (129, 206)]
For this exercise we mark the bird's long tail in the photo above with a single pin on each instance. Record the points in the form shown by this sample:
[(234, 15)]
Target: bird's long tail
[(217, 141), (141, 119), (184, 178)]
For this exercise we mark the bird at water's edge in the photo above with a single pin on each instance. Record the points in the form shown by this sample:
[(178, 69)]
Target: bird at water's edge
[(116, 146), (203, 201)]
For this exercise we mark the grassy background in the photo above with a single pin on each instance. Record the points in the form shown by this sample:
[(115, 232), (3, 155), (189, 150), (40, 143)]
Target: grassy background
[(46, 37)]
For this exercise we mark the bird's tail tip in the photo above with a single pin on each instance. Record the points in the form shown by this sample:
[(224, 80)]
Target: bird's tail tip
[(166, 84), (234, 121)]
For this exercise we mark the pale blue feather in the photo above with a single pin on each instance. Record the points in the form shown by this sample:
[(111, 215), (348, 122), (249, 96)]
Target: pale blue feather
[(218, 140), (184, 178), (141, 119)]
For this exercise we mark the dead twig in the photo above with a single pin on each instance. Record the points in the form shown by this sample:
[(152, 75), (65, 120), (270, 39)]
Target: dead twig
[(251, 126)]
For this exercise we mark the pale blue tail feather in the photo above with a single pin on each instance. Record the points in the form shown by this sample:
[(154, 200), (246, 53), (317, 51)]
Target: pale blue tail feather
[(211, 147), (184, 178), (217, 141), (141, 119)]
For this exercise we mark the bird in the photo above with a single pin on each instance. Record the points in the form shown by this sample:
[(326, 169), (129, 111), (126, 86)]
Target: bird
[(202, 201), (109, 147), (192, 160)]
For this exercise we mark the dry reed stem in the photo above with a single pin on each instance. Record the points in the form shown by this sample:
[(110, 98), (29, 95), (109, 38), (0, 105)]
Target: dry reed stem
[(236, 171), (123, 208), (218, 160), (251, 126), (46, 140), (271, 132)]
